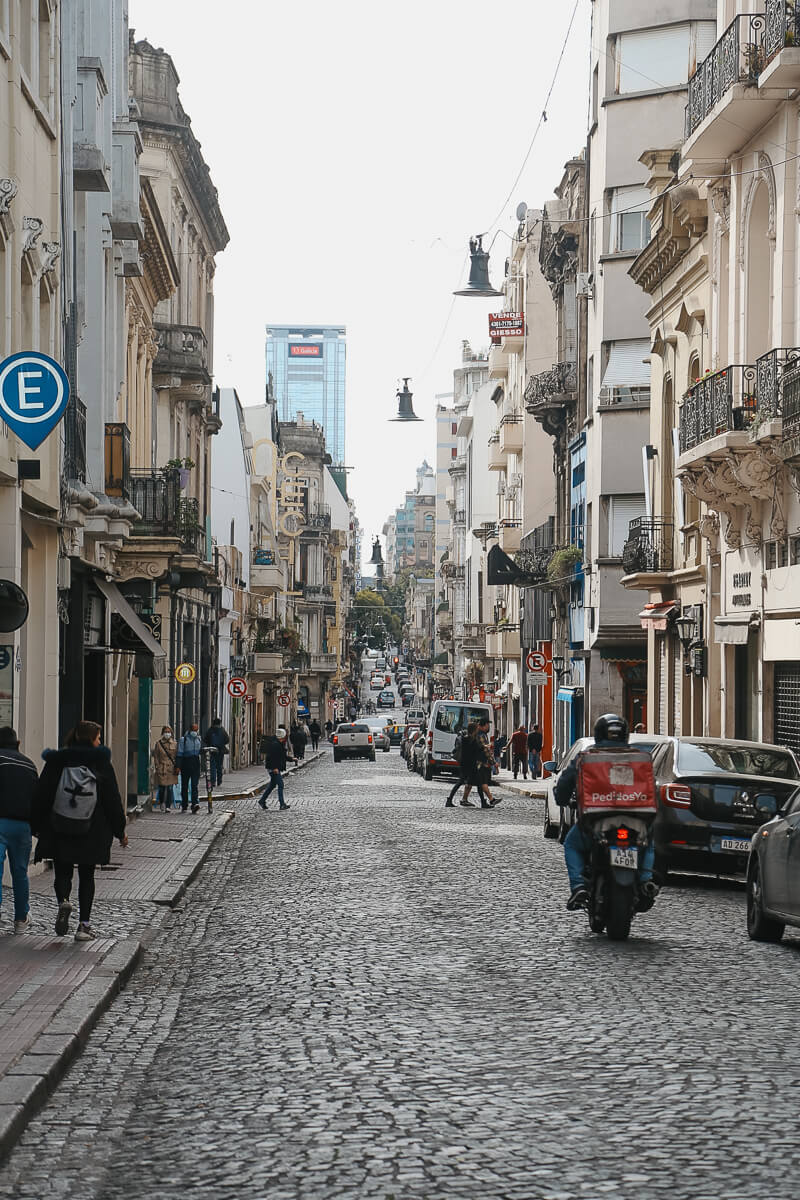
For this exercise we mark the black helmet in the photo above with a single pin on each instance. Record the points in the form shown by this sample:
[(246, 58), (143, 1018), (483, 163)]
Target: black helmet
[(611, 728)]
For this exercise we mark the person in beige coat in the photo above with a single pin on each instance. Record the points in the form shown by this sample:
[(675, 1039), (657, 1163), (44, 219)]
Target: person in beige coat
[(165, 768)]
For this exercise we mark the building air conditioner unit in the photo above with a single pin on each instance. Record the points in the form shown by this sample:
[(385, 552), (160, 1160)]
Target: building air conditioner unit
[(584, 285)]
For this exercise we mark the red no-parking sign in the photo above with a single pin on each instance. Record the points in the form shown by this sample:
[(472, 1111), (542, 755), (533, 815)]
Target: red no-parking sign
[(237, 686), (284, 699)]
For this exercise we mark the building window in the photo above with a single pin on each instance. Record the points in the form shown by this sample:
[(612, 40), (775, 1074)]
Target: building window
[(454, 452), (647, 60), (453, 428), (621, 511), (36, 27), (630, 228)]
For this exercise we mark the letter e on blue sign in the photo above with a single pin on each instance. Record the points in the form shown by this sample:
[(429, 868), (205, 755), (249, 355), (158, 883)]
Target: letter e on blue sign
[(33, 395)]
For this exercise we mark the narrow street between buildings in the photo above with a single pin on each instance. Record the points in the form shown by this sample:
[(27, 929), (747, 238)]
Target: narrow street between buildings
[(373, 996)]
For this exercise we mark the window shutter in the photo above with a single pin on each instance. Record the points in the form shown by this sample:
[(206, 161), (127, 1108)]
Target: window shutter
[(663, 692), (622, 510), (648, 59)]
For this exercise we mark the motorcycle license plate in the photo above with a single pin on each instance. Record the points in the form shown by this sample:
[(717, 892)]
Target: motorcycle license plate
[(625, 856), (738, 845)]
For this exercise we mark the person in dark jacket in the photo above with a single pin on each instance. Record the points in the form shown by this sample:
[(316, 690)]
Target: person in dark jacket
[(519, 751), (535, 743), (275, 755), (298, 739), (315, 732), (86, 850), (217, 739), (18, 778), (189, 747)]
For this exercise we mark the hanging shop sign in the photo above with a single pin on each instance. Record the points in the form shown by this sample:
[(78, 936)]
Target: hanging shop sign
[(505, 324), (185, 673)]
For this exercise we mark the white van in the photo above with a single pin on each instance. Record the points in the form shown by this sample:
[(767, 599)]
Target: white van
[(447, 719)]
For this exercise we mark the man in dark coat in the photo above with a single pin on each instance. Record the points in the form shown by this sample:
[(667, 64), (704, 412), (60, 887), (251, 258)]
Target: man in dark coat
[(18, 777), (535, 743), (275, 754), (217, 739), (315, 733), (298, 740), (87, 849)]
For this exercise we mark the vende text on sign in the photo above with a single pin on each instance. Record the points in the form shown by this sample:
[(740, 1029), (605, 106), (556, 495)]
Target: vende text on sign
[(506, 324)]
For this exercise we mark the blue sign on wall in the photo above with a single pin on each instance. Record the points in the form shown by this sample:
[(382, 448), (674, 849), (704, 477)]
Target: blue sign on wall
[(34, 391)]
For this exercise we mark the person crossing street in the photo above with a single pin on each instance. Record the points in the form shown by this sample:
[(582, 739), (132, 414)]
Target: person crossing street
[(276, 752), (189, 748)]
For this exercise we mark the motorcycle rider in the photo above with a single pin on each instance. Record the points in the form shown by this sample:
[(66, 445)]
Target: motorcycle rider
[(610, 733)]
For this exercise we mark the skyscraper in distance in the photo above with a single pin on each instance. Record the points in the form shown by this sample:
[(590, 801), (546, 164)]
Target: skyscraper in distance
[(306, 364)]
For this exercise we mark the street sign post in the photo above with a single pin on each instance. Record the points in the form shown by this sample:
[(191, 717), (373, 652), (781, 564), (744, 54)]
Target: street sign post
[(284, 699), (185, 673), (538, 673), (237, 686), (34, 391)]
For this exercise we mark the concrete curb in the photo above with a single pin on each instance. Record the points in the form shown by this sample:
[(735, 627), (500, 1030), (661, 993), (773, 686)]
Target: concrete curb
[(26, 1087), (173, 889)]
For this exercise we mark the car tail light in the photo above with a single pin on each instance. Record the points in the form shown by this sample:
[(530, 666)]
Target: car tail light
[(430, 739), (675, 795), (369, 739), (335, 740)]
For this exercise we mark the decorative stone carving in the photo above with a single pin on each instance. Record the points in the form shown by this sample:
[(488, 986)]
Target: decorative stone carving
[(52, 252), (141, 568), (765, 174), (33, 227), (704, 485), (709, 527), (721, 203), (8, 190)]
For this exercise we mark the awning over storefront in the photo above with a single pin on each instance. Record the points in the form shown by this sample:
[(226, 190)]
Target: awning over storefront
[(624, 653), (656, 615), (151, 657), (734, 630)]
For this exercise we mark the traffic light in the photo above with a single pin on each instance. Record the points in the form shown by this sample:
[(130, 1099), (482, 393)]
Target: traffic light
[(396, 661)]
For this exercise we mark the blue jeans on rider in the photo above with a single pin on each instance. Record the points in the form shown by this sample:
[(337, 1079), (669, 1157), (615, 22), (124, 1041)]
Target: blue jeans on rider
[(577, 845)]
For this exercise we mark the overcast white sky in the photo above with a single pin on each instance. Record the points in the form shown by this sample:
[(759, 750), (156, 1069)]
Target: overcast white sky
[(355, 147)]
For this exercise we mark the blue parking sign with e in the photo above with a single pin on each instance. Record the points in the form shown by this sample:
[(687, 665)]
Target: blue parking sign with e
[(34, 391)]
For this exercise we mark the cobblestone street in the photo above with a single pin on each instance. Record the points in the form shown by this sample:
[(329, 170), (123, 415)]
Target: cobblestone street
[(373, 996)]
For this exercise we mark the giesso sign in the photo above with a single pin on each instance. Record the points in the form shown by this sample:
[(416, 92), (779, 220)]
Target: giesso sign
[(305, 350)]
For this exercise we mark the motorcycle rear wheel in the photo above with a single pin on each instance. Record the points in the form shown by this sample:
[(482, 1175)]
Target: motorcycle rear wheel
[(597, 922), (619, 911)]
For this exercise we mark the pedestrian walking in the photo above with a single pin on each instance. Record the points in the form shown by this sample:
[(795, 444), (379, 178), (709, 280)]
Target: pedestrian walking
[(275, 755), (189, 748), (298, 740), (218, 741), (18, 779), (519, 751), (165, 768), (315, 732), (484, 762), (465, 754), (500, 744), (77, 813), (535, 742)]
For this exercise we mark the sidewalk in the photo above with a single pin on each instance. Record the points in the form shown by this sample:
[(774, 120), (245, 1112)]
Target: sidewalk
[(522, 787), (52, 989)]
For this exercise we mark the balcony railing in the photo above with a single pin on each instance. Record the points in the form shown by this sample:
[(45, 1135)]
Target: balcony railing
[(320, 517), (738, 57), (782, 27), (459, 463), (451, 570), (731, 398), (163, 512), (511, 418), (649, 545), (317, 591), (117, 460), (473, 636), (182, 350), (791, 411), (75, 441), (551, 388)]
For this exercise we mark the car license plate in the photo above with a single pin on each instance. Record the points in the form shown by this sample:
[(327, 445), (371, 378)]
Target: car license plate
[(738, 845), (624, 857)]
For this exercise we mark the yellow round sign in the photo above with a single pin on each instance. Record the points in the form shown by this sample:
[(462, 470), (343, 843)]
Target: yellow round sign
[(185, 673)]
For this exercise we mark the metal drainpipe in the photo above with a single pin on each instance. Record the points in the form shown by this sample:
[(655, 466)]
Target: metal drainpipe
[(144, 719)]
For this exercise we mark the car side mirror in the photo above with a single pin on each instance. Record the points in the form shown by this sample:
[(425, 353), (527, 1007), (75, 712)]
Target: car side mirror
[(550, 766)]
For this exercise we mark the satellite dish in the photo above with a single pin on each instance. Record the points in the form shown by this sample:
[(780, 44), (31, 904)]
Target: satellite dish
[(522, 210)]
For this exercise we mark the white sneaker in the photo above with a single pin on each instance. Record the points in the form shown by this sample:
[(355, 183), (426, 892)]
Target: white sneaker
[(24, 926), (84, 933)]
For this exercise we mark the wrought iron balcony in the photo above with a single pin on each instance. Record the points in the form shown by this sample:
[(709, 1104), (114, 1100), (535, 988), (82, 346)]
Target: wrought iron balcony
[(738, 57), (553, 388), (473, 637), (782, 27), (156, 496), (320, 518), (75, 441), (182, 350), (451, 570), (317, 591), (730, 399), (649, 546), (790, 446)]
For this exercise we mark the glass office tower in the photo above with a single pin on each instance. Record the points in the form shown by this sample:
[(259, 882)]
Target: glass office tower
[(307, 367)]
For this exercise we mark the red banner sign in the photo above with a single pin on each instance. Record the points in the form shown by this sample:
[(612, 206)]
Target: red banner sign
[(505, 324), (302, 350)]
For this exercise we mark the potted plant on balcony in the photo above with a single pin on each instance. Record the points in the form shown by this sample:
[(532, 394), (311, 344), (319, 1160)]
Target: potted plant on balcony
[(563, 563), (183, 466)]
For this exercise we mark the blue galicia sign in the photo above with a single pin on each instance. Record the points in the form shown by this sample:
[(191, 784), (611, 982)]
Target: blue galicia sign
[(33, 395)]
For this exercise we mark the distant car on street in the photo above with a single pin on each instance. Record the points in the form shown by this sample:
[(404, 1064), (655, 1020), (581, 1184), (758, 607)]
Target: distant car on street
[(396, 733), (353, 741), (380, 733), (386, 699), (773, 872)]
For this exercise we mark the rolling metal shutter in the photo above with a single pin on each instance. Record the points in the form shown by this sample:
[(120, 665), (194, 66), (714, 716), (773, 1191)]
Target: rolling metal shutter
[(786, 698), (677, 684), (663, 679)]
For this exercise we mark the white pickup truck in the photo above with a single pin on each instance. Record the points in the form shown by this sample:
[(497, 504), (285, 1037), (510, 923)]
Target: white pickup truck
[(353, 741)]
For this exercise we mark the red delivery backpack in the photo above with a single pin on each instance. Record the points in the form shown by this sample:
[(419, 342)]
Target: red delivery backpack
[(615, 780)]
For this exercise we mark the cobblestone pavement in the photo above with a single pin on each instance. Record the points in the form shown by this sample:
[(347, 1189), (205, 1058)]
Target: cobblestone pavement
[(374, 996)]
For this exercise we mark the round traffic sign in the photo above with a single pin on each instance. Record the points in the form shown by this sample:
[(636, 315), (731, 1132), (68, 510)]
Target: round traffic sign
[(13, 606), (237, 686), (536, 661), (34, 391), (284, 699), (185, 673)]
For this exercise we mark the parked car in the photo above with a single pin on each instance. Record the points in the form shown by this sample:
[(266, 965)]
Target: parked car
[(409, 734), (558, 820), (713, 794), (386, 699), (417, 753), (353, 741), (405, 699), (448, 719), (396, 733), (773, 872), (380, 733), (376, 683)]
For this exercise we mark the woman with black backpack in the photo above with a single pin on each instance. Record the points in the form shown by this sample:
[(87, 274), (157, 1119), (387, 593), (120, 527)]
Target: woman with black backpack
[(77, 813)]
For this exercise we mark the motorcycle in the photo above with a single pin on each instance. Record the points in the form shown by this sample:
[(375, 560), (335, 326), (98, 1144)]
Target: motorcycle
[(612, 871)]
